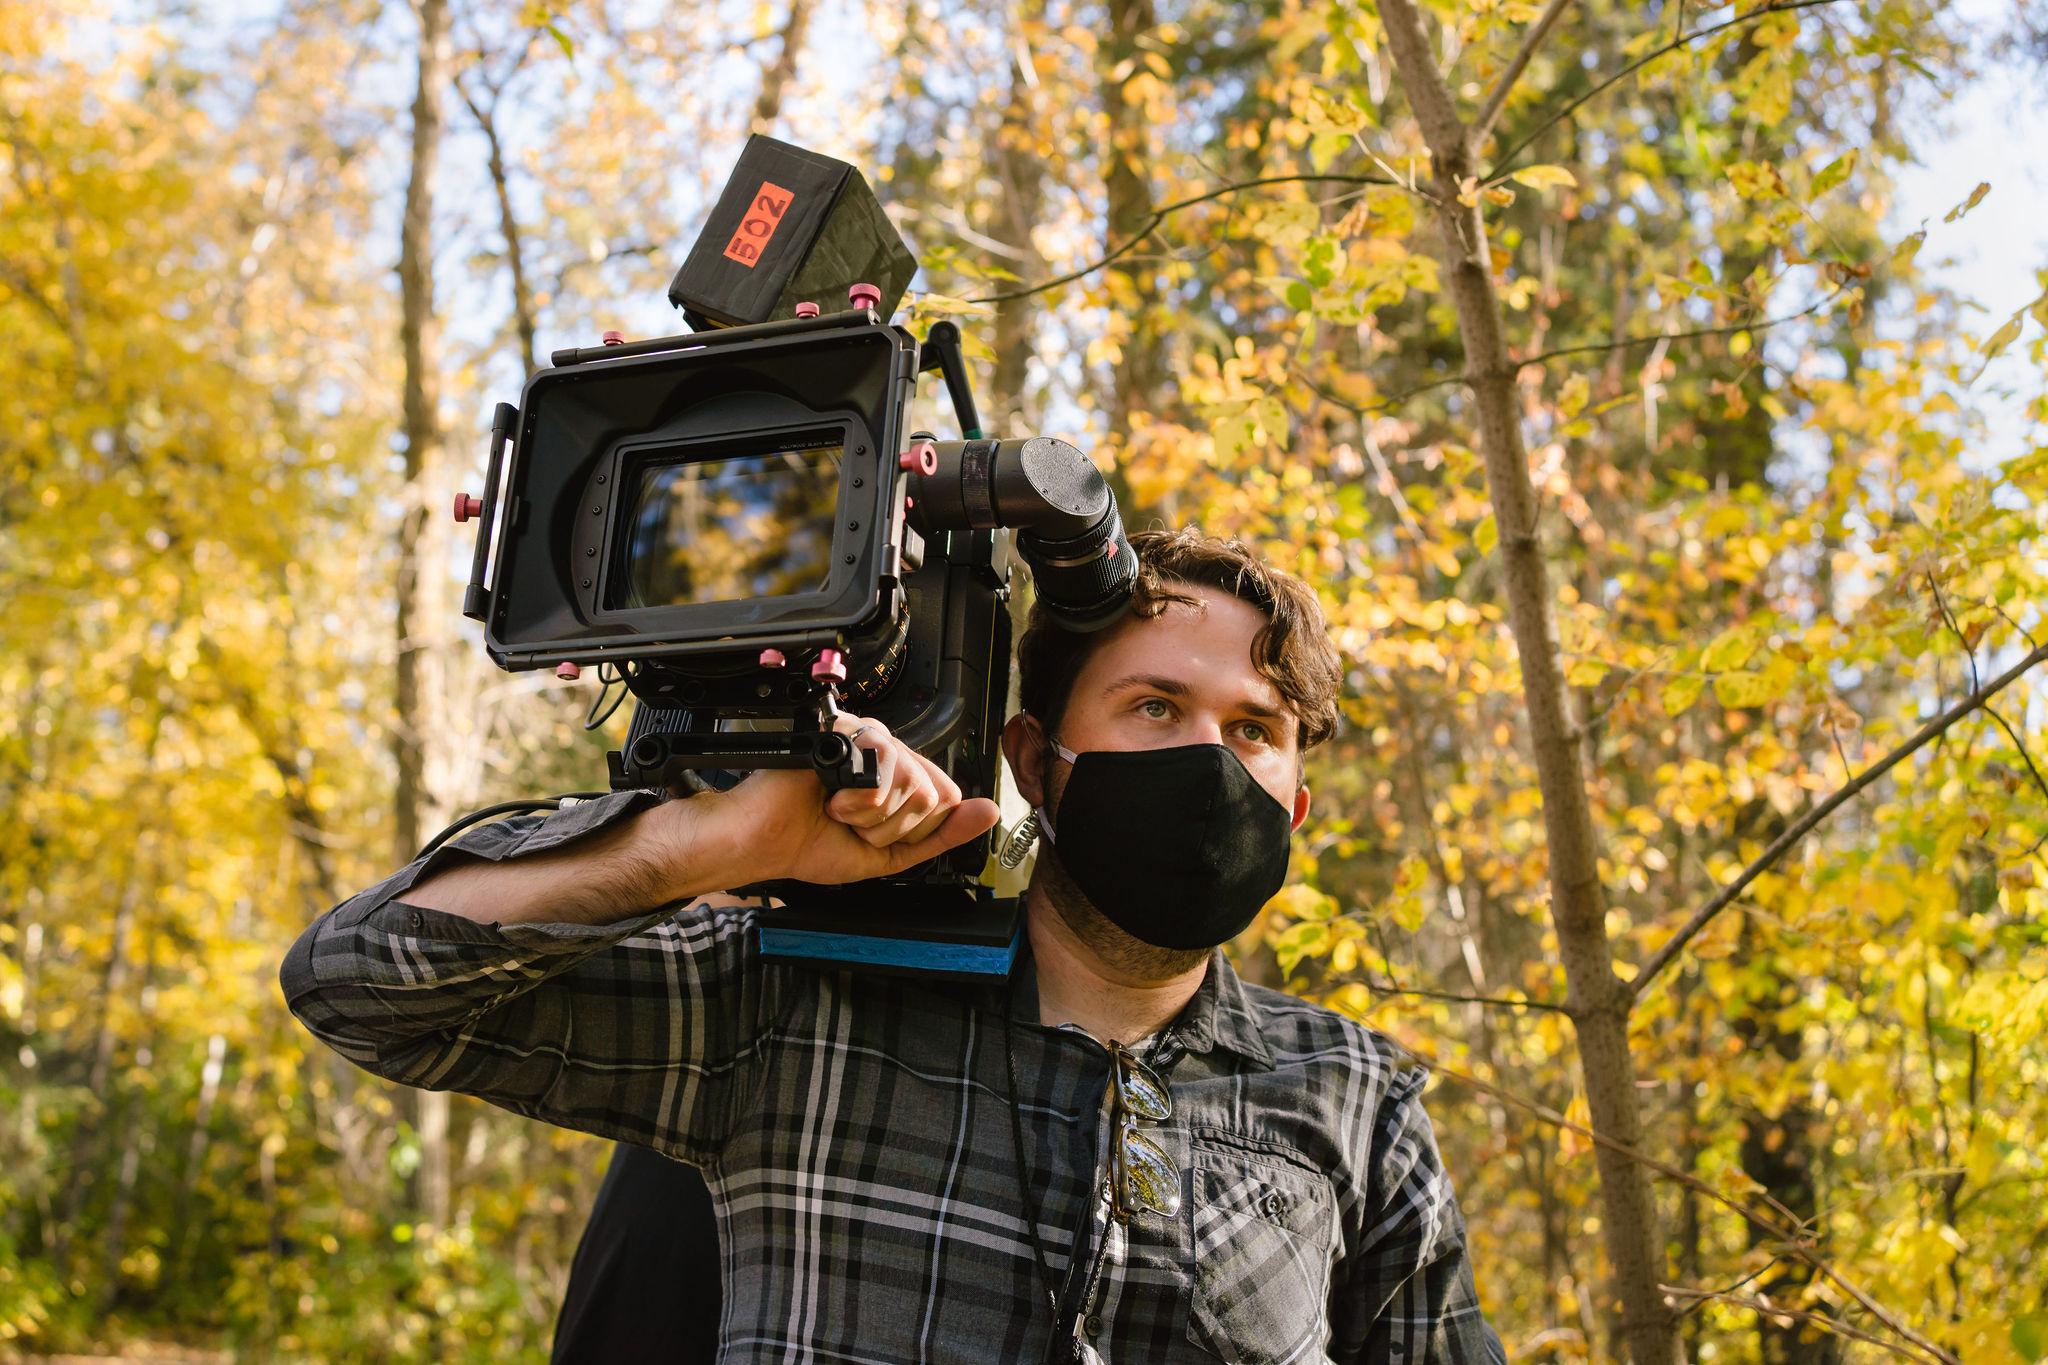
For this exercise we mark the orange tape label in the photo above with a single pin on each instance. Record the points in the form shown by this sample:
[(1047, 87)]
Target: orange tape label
[(764, 215)]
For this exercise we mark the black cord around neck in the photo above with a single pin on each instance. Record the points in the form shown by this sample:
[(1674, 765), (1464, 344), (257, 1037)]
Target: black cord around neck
[(1030, 1202)]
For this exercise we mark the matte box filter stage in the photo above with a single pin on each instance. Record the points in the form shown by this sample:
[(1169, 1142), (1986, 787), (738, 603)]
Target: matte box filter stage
[(791, 226)]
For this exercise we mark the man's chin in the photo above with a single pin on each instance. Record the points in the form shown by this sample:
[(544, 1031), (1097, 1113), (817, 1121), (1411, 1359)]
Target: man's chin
[(1115, 948)]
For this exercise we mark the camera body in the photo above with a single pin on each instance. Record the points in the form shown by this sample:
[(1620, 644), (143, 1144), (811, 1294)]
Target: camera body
[(734, 525)]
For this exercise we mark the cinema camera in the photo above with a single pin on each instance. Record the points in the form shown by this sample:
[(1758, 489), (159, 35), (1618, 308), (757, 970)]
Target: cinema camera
[(734, 524)]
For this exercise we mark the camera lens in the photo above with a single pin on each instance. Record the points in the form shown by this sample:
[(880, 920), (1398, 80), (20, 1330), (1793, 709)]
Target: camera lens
[(1084, 582)]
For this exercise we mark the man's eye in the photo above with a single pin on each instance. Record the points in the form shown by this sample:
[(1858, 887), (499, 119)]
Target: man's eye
[(1256, 733), (1155, 709)]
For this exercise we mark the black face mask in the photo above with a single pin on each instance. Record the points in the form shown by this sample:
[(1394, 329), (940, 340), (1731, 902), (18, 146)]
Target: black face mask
[(1179, 848)]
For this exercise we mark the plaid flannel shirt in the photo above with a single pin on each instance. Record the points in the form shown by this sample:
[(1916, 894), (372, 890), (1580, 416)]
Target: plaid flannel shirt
[(856, 1134)]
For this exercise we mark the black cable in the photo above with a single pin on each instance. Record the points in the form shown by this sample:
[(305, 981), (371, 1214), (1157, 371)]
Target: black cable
[(531, 803), (591, 719)]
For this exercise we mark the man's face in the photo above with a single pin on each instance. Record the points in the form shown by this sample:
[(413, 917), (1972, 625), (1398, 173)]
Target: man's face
[(1182, 677)]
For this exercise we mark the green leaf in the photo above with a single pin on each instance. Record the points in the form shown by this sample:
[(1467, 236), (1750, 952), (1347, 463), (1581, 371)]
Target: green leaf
[(1298, 297), (568, 48), (1486, 535), (1834, 173), (1903, 253), (2030, 1337)]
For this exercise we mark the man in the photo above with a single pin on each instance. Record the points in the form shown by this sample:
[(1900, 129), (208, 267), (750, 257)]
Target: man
[(1123, 1154)]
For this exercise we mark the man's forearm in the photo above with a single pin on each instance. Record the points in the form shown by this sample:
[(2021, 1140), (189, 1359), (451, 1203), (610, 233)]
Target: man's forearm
[(671, 852)]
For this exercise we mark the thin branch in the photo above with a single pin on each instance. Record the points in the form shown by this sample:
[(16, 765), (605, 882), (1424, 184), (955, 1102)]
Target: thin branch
[(1502, 1002), (1949, 619), (1790, 1230), (1165, 211), (1760, 325), (1501, 167), (1932, 730), (1834, 1326), (1532, 40), (1776, 1257), (2021, 745)]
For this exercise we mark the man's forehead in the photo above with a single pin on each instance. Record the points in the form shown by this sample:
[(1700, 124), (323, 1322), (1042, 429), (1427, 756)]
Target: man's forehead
[(1185, 649)]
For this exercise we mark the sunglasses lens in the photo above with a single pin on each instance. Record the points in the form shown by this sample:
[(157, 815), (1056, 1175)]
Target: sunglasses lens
[(1149, 1180), (1141, 1092)]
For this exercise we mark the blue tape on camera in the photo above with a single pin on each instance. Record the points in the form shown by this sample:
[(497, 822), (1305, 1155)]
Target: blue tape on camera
[(894, 956)]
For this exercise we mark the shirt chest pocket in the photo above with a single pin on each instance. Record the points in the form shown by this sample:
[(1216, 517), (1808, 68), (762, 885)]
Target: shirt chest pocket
[(1264, 1238)]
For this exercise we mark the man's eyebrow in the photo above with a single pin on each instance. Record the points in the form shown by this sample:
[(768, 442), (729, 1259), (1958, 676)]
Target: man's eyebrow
[(1173, 687)]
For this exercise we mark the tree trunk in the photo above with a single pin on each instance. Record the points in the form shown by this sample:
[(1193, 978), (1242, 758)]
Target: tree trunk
[(419, 605), (80, 1171), (1127, 186), (1596, 998), (775, 80), (1021, 172)]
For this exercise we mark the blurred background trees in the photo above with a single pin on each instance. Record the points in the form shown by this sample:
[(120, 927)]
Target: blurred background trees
[(262, 273)]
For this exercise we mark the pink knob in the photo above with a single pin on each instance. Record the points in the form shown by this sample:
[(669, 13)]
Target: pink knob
[(567, 671), (921, 458), (865, 296), (467, 507), (772, 658), (807, 310), (831, 666), (614, 338)]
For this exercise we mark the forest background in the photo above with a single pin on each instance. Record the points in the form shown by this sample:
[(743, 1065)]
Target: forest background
[(1689, 812)]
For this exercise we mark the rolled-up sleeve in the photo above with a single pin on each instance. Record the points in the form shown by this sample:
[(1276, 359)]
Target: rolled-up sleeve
[(1408, 1295), (650, 1030)]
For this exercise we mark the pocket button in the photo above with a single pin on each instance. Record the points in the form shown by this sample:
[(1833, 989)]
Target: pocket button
[(1273, 1205)]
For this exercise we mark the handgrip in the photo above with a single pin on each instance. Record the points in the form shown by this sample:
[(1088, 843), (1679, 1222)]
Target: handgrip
[(504, 420)]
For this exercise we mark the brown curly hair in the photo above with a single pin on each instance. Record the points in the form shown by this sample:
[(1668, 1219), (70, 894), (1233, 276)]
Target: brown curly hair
[(1292, 650)]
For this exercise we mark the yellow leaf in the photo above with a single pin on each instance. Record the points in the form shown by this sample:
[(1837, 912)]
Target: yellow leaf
[(1586, 673), (1731, 649), (1681, 692), (1543, 177), (1744, 688), (1486, 535)]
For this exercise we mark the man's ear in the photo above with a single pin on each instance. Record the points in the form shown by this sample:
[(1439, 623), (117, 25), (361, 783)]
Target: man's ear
[(1025, 747), (1300, 806)]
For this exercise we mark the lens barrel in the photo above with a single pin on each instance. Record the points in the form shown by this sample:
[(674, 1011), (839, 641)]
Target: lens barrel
[(1069, 532), (1084, 582)]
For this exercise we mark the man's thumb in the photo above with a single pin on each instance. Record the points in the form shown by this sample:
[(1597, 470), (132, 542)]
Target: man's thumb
[(976, 815)]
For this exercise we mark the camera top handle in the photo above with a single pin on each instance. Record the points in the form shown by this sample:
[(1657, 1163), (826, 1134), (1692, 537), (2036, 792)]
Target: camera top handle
[(941, 352)]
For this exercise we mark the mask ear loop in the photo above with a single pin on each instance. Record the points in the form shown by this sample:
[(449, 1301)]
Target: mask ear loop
[(1040, 813), (1033, 826)]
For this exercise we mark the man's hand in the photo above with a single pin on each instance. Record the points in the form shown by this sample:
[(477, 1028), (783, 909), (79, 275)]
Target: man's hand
[(789, 826), (776, 824)]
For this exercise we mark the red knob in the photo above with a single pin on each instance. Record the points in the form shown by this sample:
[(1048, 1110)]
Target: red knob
[(772, 658), (567, 671), (865, 296), (831, 666), (807, 309), (614, 338), (921, 458), (467, 507)]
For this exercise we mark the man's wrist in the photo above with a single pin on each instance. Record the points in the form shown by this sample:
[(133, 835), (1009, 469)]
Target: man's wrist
[(697, 848)]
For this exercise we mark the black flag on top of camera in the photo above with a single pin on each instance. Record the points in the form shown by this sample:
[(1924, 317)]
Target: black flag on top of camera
[(790, 226)]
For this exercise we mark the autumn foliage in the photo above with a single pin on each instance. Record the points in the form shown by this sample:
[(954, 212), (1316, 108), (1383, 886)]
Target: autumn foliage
[(1778, 539)]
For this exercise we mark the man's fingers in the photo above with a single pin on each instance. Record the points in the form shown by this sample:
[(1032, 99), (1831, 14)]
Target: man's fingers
[(868, 806), (975, 816)]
